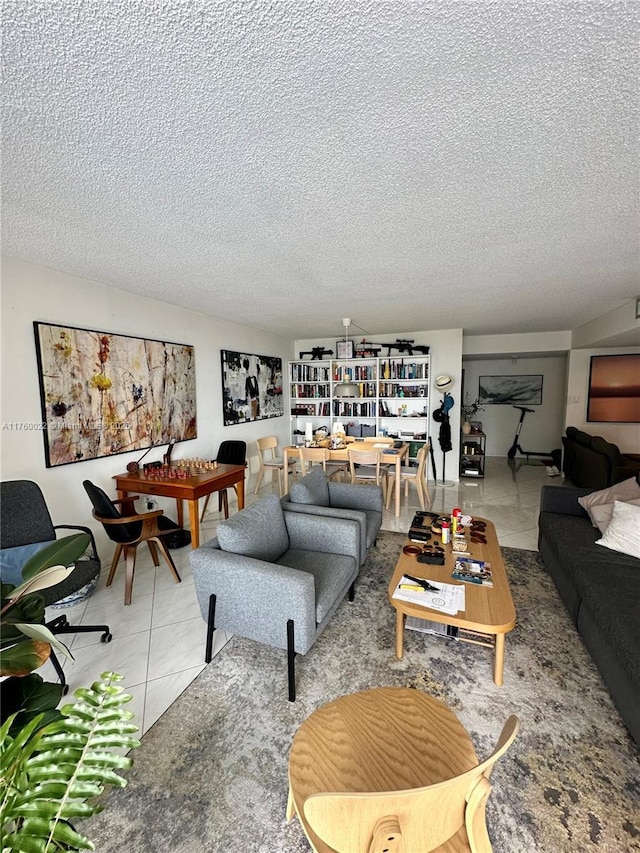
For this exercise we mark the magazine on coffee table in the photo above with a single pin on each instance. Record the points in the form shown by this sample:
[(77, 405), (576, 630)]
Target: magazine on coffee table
[(473, 571)]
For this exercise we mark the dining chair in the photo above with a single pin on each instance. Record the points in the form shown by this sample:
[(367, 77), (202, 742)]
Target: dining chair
[(270, 461), (321, 456), (128, 531), (417, 475), (231, 452), (365, 466), (391, 769)]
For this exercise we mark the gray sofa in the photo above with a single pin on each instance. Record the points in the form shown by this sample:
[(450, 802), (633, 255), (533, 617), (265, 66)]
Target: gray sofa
[(317, 495), (276, 577), (592, 462), (601, 590)]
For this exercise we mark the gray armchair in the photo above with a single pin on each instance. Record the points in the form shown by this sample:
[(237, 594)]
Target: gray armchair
[(275, 576), (314, 494)]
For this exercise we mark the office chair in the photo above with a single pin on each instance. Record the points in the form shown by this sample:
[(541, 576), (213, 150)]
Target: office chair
[(25, 525)]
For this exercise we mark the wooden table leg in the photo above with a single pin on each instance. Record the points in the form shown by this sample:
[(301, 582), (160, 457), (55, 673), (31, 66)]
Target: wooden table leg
[(240, 493), (285, 472), (498, 666), (180, 512), (399, 634), (194, 523), (398, 485)]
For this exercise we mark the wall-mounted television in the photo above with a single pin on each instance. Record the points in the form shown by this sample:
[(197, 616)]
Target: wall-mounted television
[(614, 389)]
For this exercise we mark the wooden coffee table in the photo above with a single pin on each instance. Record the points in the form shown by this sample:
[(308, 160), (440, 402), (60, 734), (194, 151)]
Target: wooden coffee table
[(489, 612)]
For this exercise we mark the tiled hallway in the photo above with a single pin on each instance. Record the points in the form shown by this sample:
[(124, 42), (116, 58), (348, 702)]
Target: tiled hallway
[(158, 641)]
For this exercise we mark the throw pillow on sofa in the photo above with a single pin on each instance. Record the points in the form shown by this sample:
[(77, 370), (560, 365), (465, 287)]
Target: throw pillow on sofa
[(623, 532), (599, 504)]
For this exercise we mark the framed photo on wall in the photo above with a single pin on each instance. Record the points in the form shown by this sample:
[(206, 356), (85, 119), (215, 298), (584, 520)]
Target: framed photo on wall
[(344, 349), (523, 390), (614, 389)]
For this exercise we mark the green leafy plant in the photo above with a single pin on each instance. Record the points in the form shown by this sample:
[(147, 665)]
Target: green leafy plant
[(470, 408), (25, 640), (49, 773)]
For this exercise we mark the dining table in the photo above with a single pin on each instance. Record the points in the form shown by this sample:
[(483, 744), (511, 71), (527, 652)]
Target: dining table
[(394, 457)]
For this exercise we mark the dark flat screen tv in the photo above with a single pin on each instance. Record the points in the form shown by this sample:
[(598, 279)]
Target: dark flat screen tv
[(614, 389)]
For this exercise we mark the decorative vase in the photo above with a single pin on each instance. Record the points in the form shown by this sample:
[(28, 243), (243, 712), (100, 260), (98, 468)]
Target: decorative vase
[(466, 428)]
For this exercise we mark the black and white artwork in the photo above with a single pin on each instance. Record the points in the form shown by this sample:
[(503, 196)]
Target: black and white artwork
[(523, 390), (251, 387)]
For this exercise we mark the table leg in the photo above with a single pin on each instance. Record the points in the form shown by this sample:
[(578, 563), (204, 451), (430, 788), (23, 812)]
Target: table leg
[(180, 512), (240, 493), (398, 485), (194, 523), (285, 473), (399, 634), (498, 666)]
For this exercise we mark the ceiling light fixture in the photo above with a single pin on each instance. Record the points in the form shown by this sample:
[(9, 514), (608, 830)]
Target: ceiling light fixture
[(346, 388)]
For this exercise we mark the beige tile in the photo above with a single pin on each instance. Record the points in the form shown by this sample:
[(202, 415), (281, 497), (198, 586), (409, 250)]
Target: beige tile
[(176, 647), (177, 604), (162, 693)]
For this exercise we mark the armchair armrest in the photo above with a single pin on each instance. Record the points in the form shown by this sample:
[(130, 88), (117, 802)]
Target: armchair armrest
[(327, 534), (255, 598), (356, 515), (351, 496)]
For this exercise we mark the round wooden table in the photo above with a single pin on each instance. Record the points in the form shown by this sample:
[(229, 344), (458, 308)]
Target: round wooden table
[(380, 740)]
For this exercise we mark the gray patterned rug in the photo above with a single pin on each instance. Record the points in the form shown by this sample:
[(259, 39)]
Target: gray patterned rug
[(211, 774)]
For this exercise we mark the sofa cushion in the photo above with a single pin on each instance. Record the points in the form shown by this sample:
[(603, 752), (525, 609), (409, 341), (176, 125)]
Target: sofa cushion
[(312, 489), (623, 531), (611, 451), (582, 438), (599, 504), (258, 531)]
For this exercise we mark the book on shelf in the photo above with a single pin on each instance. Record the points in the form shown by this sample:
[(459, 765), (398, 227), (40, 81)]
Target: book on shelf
[(473, 571)]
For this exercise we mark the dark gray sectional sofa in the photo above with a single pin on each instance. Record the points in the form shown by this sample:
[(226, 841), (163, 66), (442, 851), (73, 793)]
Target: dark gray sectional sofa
[(601, 590)]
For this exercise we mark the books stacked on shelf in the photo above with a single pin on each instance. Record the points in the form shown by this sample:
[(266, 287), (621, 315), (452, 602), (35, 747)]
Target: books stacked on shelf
[(473, 571)]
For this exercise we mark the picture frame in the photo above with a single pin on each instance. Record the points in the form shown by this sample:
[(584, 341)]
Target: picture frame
[(344, 349), (614, 389), (103, 393), (511, 390), (251, 387)]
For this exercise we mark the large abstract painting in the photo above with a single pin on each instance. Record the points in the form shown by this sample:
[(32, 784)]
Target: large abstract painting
[(614, 389), (104, 394), (251, 387), (524, 390)]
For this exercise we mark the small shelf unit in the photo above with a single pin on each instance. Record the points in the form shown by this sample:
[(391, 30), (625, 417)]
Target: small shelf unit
[(472, 454)]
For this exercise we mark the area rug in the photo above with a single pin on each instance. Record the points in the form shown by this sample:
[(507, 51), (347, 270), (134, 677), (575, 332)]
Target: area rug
[(211, 774)]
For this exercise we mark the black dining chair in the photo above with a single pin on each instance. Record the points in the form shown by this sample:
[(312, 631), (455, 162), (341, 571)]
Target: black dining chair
[(230, 452)]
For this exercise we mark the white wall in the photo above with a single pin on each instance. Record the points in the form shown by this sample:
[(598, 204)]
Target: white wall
[(541, 431), (31, 292), (626, 436), (446, 357)]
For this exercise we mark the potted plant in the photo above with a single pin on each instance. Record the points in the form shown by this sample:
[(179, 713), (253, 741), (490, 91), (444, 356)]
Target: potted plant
[(52, 762), (469, 410)]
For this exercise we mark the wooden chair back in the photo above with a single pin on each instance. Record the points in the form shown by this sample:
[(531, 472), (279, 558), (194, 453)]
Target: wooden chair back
[(310, 455), (368, 458), (265, 444), (404, 821)]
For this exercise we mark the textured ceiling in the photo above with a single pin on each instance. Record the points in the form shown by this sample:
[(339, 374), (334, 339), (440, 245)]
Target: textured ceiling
[(412, 165)]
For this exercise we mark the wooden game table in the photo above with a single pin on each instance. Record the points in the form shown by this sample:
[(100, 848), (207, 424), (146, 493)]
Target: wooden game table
[(190, 489)]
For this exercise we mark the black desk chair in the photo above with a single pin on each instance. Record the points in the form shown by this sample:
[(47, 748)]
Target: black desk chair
[(25, 521), (129, 530), (229, 453)]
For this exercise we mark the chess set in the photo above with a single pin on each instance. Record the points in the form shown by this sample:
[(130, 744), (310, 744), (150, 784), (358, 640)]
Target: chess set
[(181, 469)]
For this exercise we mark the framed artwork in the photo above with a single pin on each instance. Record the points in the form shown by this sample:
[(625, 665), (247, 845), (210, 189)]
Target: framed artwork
[(251, 387), (102, 393), (511, 390), (344, 349), (614, 389)]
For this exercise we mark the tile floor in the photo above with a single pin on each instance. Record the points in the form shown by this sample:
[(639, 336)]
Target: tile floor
[(158, 641)]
